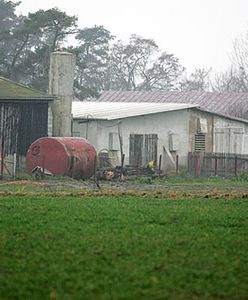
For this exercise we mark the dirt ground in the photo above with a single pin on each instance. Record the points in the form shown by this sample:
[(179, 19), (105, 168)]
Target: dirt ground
[(70, 185)]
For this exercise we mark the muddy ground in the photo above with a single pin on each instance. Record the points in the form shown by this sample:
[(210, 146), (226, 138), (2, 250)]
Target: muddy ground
[(151, 186)]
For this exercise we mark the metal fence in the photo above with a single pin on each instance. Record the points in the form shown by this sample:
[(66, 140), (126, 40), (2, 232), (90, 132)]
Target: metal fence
[(217, 164)]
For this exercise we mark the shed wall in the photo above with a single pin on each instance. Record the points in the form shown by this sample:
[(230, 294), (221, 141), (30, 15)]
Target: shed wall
[(21, 123), (230, 136), (170, 127), (200, 123), (177, 132)]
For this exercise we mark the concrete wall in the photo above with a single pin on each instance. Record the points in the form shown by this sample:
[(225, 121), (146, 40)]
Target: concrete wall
[(61, 77), (168, 126)]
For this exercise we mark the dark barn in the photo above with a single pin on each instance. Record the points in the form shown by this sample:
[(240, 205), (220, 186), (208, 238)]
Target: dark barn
[(23, 119)]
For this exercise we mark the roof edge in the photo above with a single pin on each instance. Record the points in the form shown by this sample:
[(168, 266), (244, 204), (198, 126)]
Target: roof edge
[(221, 115), (45, 98), (42, 95)]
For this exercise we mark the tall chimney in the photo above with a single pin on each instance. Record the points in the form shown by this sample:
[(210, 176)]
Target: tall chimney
[(61, 77)]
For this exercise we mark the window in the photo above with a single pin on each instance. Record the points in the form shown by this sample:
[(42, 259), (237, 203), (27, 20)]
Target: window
[(173, 142), (114, 142)]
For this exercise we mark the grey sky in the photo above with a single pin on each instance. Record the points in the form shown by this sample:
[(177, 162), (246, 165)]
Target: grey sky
[(199, 32)]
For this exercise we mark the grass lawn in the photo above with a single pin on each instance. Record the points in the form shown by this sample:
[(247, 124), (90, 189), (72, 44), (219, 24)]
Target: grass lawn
[(123, 247)]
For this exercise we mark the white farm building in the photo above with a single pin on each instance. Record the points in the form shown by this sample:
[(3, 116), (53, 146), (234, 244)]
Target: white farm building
[(147, 131)]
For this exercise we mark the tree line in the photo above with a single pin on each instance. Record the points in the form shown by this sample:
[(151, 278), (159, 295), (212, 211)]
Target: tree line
[(102, 61)]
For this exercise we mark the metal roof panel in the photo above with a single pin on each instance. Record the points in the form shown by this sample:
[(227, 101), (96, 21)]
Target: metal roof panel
[(229, 103), (119, 110)]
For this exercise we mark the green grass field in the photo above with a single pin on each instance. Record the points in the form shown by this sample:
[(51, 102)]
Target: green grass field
[(102, 247)]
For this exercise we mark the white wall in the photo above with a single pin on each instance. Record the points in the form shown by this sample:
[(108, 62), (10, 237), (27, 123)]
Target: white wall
[(162, 124), (223, 134), (230, 136), (49, 121)]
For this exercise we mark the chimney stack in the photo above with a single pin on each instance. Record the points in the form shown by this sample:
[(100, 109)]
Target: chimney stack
[(61, 77)]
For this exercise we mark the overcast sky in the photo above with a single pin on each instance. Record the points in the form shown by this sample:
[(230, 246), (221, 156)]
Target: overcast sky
[(200, 33)]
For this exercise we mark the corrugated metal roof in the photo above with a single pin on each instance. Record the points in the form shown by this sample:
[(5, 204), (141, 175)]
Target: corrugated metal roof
[(10, 90), (116, 110), (228, 103)]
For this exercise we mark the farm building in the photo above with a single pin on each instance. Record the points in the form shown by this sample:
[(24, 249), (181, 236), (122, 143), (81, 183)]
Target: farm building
[(25, 115), (227, 103), (144, 131)]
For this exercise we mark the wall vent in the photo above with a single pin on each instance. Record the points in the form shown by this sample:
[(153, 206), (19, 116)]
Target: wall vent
[(200, 142)]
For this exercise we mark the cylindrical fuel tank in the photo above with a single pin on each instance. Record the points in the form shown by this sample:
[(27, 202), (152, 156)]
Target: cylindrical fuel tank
[(62, 156)]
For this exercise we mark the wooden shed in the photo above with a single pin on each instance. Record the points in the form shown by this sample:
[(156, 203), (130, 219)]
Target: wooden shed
[(24, 117)]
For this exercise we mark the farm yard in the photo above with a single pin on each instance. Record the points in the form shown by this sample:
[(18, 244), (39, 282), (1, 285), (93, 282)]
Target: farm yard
[(165, 239), (145, 237), (122, 175)]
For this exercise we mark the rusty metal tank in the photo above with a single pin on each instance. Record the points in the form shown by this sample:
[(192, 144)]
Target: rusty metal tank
[(62, 156)]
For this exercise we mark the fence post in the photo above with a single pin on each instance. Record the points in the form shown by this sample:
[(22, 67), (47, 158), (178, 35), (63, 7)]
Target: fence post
[(235, 165), (122, 167), (2, 161), (189, 162), (14, 166), (197, 165), (215, 165), (177, 163), (159, 164)]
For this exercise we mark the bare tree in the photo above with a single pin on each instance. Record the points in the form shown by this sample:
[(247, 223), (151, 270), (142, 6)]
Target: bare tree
[(236, 77), (199, 80), (140, 65)]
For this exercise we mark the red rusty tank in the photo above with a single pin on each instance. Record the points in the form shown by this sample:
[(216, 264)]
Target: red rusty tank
[(62, 156)]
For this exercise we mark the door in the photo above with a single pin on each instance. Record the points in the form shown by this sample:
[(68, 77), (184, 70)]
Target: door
[(151, 142), (143, 149), (136, 149)]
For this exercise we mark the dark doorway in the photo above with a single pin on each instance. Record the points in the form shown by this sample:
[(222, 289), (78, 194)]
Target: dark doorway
[(143, 149), (135, 149)]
